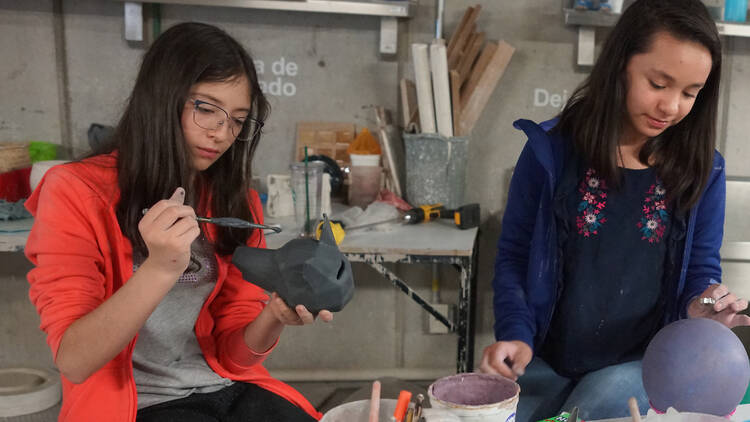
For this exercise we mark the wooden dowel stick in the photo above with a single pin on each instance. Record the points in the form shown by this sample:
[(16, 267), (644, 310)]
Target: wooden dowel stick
[(375, 402), (635, 413)]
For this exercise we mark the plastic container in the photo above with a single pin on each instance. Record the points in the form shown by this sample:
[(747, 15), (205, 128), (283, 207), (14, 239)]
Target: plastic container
[(307, 195), (435, 169), (735, 10), (358, 411), (475, 397), (359, 160), (364, 185)]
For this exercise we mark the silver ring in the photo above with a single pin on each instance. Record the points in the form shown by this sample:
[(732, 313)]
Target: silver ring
[(707, 301)]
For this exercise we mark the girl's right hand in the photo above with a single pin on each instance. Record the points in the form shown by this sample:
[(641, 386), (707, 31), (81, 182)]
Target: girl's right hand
[(168, 229), (506, 358)]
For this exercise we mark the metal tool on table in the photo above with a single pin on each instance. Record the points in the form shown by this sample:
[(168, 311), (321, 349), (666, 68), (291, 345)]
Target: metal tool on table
[(231, 222)]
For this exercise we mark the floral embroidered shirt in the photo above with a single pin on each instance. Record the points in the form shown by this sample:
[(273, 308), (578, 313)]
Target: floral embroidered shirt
[(614, 250)]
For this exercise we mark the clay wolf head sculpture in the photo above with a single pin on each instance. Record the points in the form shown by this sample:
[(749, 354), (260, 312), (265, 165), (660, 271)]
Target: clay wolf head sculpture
[(310, 272)]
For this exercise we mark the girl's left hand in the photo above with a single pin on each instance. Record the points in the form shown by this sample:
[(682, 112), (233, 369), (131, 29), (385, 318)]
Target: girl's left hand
[(725, 309), (298, 316)]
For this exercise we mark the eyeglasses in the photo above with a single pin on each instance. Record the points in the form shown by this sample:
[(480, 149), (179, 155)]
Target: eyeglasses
[(211, 117)]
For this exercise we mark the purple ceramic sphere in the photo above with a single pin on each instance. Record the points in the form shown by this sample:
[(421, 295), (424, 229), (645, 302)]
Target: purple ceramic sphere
[(696, 365)]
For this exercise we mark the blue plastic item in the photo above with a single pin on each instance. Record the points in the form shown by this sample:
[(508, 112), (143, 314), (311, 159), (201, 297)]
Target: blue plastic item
[(592, 5), (735, 10)]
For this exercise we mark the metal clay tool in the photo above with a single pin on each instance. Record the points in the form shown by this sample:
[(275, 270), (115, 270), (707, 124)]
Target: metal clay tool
[(231, 222)]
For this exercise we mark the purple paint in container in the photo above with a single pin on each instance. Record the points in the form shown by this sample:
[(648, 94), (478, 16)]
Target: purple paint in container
[(476, 397)]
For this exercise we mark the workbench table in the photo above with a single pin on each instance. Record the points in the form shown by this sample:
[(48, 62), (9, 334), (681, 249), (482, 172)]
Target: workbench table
[(434, 242)]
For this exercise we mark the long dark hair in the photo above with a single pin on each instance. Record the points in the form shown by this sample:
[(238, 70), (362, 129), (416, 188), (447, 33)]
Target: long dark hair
[(152, 157), (592, 118)]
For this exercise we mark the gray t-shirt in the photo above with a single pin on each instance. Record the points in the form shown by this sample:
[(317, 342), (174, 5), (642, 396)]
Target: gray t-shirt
[(167, 361)]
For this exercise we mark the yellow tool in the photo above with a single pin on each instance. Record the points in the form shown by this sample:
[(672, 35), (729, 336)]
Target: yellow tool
[(423, 213)]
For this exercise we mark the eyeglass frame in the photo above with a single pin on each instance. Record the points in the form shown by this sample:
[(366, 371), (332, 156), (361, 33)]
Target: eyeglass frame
[(259, 123)]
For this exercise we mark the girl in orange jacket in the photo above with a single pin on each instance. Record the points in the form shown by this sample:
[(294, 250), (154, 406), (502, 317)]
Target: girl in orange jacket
[(146, 317)]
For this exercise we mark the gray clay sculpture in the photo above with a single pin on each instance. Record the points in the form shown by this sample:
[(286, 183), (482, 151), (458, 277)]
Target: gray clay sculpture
[(310, 272)]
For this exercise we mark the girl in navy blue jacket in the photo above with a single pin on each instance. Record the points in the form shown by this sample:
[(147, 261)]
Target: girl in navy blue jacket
[(614, 219)]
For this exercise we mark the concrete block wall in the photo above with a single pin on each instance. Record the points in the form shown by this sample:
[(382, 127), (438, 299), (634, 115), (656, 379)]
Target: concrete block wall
[(338, 74)]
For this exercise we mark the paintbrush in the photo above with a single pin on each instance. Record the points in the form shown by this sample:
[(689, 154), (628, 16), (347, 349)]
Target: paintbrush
[(410, 415), (232, 222)]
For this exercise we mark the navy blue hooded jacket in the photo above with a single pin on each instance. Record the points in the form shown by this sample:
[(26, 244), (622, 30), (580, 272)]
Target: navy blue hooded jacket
[(527, 283)]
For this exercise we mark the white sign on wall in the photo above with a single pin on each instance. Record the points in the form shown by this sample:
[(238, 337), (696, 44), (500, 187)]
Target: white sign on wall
[(282, 74), (545, 98)]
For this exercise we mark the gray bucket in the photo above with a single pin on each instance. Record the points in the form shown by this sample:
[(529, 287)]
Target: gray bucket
[(435, 169)]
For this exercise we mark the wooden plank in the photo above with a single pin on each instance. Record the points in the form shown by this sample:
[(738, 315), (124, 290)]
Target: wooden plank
[(463, 37), (470, 56), (456, 100), (460, 50), (441, 89), (475, 103), (410, 111), (407, 102), (476, 72), (457, 31), (393, 157), (424, 88)]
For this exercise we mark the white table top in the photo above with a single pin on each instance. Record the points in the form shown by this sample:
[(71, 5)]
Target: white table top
[(435, 238)]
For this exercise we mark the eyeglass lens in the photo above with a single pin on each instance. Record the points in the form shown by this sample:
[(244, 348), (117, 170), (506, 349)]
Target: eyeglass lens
[(211, 117)]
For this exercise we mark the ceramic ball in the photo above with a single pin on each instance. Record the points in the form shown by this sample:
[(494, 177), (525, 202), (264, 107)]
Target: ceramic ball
[(696, 365)]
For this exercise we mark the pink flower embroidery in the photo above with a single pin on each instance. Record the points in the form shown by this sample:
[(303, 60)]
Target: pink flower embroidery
[(593, 201), (653, 223)]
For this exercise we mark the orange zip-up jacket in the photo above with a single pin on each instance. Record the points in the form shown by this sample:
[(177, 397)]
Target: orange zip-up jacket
[(81, 258)]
